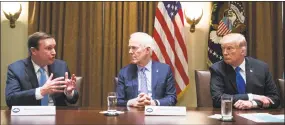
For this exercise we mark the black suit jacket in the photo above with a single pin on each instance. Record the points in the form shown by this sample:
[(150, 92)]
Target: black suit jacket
[(22, 82), (258, 81)]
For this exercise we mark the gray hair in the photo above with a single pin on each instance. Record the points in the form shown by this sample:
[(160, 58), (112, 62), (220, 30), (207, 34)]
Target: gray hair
[(144, 39)]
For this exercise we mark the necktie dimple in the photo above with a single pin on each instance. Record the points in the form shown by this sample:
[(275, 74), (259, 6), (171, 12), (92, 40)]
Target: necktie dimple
[(240, 81), (143, 81), (42, 81)]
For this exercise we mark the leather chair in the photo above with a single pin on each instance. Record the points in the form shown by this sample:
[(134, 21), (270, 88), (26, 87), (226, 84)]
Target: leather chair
[(78, 87), (204, 98), (115, 83), (280, 86)]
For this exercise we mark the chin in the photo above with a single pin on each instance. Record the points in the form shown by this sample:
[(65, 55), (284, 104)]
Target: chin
[(50, 62), (133, 62), (227, 62)]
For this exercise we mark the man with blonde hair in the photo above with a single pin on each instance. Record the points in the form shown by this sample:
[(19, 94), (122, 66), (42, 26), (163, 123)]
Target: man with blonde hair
[(246, 78), (144, 81)]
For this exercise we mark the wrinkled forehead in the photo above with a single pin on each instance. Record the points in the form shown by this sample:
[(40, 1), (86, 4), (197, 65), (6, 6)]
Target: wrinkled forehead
[(134, 43), (47, 42)]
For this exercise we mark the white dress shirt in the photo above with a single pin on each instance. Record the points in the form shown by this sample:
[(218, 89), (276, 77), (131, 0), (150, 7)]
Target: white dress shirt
[(243, 75)]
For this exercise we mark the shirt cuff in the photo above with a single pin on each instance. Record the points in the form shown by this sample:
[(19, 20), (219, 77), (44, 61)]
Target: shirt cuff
[(69, 96), (254, 104), (129, 103), (38, 94), (158, 103), (250, 97)]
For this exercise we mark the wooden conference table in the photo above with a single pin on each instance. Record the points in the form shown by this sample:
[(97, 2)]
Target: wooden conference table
[(91, 115)]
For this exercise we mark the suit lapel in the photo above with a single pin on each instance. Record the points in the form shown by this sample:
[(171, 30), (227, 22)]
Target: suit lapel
[(30, 71), (134, 79), (154, 74), (51, 70), (231, 77), (248, 71)]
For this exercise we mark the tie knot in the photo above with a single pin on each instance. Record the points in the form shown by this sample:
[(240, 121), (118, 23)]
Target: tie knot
[(41, 70), (238, 69)]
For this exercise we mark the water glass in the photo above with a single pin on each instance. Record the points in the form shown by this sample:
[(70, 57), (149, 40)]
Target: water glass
[(226, 107), (112, 102)]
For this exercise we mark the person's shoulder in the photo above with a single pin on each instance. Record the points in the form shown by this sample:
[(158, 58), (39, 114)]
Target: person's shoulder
[(59, 62), (19, 64), (127, 67), (160, 64), (256, 62), (218, 65)]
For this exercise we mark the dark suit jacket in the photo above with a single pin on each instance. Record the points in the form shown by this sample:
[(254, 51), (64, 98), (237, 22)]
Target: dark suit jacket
[(163, 88), (258, 81), (22, 82)]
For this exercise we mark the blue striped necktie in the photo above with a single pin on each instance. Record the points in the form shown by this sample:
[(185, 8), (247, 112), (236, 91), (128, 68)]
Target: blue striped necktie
[(143, 81), (42, 81), (240, 81)]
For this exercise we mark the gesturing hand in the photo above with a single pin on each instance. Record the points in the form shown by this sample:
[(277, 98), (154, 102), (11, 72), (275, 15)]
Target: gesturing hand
[(70, 83), (53, 86)]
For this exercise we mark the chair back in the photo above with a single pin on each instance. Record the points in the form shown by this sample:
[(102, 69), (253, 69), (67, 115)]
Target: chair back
[(280, 86), (78, 88), (202, 79)]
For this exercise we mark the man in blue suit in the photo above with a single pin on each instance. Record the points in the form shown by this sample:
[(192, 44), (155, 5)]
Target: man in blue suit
[(144, 81), (40, 79), (247, 79)]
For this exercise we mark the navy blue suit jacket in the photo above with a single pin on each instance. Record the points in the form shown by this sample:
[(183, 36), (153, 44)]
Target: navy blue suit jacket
[(163, 88), (22, 82), (258, 81)]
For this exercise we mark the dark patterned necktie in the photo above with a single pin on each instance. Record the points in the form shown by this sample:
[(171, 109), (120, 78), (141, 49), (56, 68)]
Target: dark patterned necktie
[(143, 81)]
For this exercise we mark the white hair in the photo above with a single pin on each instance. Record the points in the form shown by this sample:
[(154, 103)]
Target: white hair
[(143, 38), (235, 38)]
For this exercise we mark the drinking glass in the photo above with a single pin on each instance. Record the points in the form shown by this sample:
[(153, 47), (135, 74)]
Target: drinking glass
[(112, 102), (226, 107)]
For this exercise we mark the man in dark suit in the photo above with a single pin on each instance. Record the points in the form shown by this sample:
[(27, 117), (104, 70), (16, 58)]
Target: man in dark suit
[(28, 82), (145, 82), (247, 79)]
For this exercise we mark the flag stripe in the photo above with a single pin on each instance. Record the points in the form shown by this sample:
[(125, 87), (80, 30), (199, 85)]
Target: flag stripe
[(163, 52), (170, 41), (180, 40)]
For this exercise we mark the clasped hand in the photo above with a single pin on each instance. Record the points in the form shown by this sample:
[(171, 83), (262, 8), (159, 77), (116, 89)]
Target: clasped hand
[(246, 104), (142, 100), (59, 85)]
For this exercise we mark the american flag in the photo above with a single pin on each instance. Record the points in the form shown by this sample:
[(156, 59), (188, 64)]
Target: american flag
[(170, 42), (225, 27)]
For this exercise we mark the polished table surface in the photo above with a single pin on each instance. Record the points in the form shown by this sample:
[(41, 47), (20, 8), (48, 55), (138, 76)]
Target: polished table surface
[(90, 115)]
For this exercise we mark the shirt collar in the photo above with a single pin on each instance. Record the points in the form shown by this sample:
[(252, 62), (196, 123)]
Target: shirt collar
[(241, 66), (37, 67), (148, 66)]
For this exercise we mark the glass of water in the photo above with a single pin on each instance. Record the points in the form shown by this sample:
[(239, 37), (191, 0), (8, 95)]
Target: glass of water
[(112, 102), (227, 107)]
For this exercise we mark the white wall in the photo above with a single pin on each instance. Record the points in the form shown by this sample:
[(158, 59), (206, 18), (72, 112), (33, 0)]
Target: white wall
[(13, 43), (197, 44)]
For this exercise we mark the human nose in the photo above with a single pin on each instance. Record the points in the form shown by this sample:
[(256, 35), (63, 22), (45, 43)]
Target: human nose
[(53, 52), (130, 51)]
